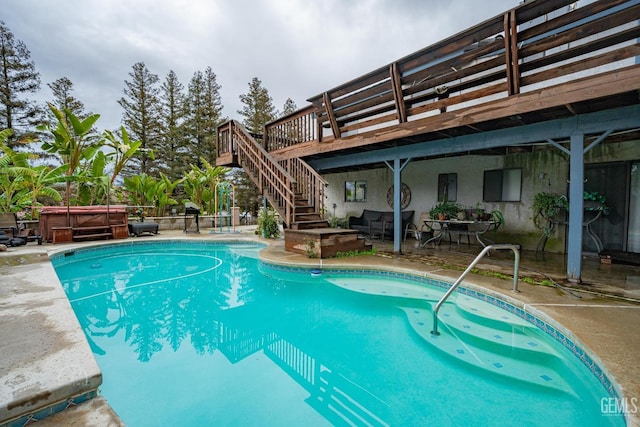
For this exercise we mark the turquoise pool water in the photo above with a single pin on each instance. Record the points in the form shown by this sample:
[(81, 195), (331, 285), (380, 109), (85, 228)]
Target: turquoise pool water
[(200, 333)]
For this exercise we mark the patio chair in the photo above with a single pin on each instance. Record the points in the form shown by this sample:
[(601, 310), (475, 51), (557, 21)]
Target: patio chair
[(418, 230), (7, 240), (9, 224), (4, 239)]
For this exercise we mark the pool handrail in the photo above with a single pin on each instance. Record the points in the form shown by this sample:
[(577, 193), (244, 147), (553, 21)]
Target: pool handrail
[(483, 252)]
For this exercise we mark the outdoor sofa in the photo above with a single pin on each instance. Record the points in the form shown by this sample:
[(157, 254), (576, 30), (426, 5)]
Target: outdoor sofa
[(378, 223)]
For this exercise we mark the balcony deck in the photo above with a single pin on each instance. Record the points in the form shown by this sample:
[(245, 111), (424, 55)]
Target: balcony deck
[(539, 62)]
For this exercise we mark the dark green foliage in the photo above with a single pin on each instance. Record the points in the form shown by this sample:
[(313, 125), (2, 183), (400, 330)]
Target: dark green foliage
[(258, 107), (18, 78), (204, 115), (141, 116), (173, 152), (268, 224)]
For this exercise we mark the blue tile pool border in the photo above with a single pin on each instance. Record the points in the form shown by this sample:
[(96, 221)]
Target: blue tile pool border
[(41, 413), (65, 256), (550, 330)]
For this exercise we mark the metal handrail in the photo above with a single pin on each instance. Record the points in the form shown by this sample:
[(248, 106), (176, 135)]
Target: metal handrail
[(482, 253)]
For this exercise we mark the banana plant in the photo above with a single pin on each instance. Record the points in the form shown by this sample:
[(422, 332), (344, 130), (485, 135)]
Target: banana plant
[(164, 192), (40, 182), (200, 184), (93, 182), (72, 140), (19, 182), (123, 150), (140, 189)]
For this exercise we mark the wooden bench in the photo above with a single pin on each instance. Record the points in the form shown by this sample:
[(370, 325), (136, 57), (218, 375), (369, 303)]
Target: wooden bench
[(94, 232)]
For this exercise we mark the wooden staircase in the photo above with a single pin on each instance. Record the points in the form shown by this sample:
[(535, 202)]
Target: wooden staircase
[(306, 216), (293, 188)]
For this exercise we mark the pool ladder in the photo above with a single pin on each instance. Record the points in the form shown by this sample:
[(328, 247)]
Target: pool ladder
[(516, 262)]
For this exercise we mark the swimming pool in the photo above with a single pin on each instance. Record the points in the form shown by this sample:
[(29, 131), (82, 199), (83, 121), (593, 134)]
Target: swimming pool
[(192, 333)]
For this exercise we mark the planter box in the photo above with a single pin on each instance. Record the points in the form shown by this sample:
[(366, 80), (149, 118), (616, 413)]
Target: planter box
[(62, 234), (120, 231)]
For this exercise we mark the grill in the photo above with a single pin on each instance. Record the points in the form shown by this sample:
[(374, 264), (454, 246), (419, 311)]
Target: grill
[(191, 209)]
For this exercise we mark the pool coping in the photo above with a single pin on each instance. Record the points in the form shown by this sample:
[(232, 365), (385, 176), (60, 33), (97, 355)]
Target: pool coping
[(272, 255), (49, 365)]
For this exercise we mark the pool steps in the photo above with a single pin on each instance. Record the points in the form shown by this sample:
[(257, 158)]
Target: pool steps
[(487, 352), (517, 341), (473, 332)]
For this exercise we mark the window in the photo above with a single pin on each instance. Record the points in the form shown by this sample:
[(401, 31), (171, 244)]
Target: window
[(447, 187), (355, 191), (502, 185)]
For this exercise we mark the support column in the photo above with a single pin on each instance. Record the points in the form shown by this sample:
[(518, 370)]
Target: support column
[(397, 168), (397, 209), (576, 205)]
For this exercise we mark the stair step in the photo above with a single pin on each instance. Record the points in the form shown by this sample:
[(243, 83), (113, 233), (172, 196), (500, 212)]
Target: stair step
[(343, 238), (304, 209), (305, 225), (310, 216), (488, 314), (535, 370), (387, 286)]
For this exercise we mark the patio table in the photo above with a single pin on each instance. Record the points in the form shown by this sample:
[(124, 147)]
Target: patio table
[(445, 227)]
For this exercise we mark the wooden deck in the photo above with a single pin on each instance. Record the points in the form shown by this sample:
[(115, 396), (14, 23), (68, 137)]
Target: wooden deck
[(540, 61)]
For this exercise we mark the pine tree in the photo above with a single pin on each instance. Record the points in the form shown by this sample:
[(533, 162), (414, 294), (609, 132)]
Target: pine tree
[(292, 130), (142, 118), (289, 107), (64, 100), (18, 77), (214, 110), (205, 110), (258, 108), (173, 153)]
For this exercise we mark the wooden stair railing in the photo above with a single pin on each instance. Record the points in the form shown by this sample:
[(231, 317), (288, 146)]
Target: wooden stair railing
[(310, 193), (275, 183)]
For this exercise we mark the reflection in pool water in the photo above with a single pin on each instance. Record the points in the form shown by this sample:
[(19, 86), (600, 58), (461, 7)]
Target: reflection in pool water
[(192, 334)]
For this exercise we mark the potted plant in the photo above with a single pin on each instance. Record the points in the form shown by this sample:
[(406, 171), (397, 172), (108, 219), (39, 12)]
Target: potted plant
[(444, 210), (267, 223), (477, 212), (498, 217), (546, 207), (594, 201)]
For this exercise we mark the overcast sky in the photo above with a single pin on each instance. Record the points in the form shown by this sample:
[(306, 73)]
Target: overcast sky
[(297, 48)]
